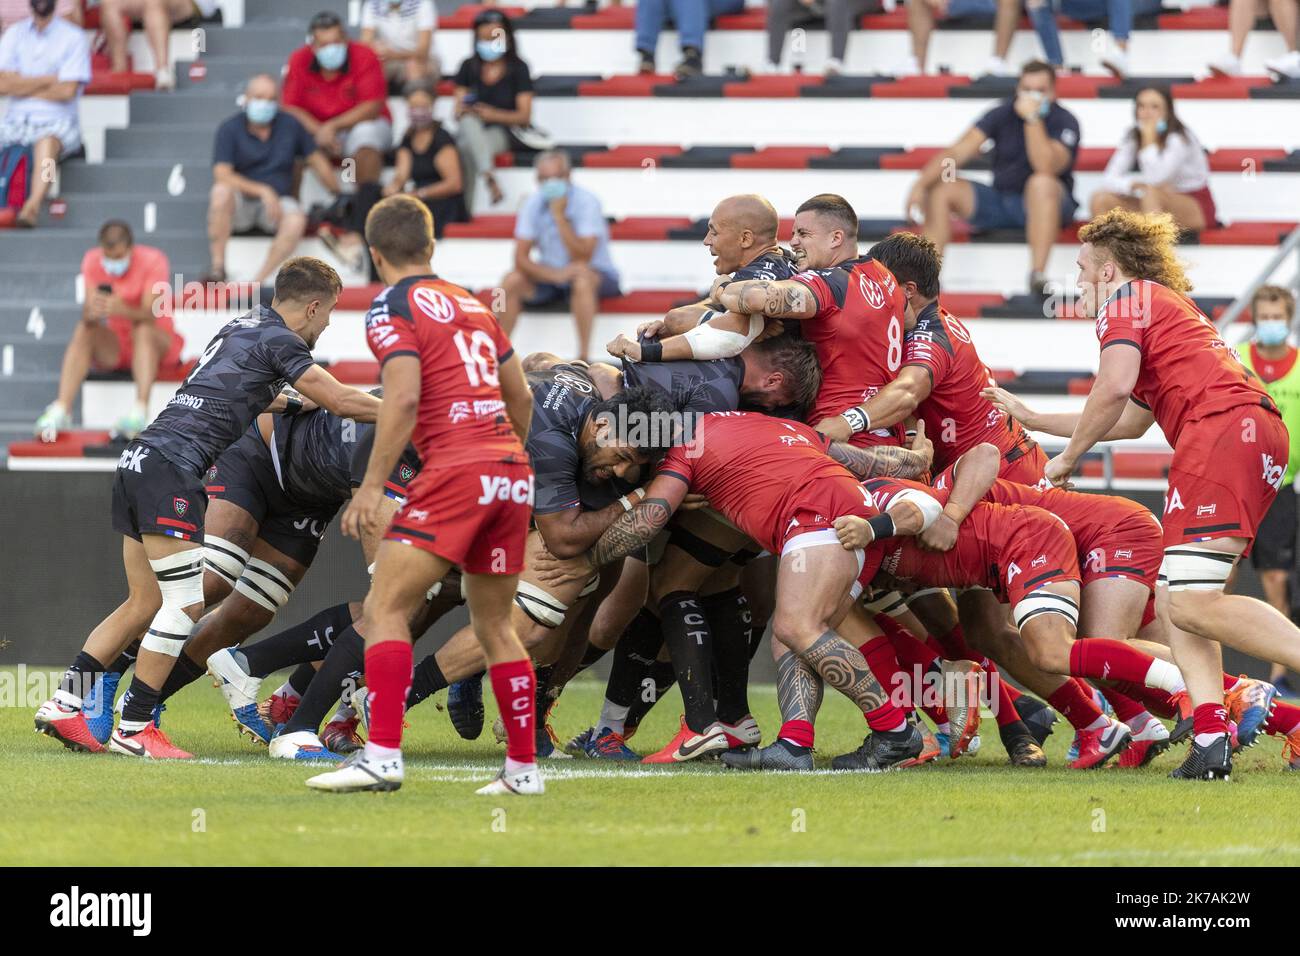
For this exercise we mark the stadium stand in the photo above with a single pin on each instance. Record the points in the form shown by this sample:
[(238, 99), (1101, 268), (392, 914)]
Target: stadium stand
[(659, 153)]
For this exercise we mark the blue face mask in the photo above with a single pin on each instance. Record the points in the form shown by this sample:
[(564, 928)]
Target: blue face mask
[(117, 267), (332, 55), (1161, 127), (1271, 332), (552, 189), (489, 50), (260, 111)]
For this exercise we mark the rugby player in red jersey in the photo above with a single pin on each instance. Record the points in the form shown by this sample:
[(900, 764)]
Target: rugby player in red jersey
[(1027, 557), (1162, 360), (774, 480), (941, 376), (453, 383)]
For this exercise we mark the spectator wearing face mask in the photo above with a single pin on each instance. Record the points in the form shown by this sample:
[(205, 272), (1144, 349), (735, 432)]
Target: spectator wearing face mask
[(44, 66), (494, 92), (253, 160), (565, 225), (121, 329), (1272, 357), (1159, 166), (428, 161), (1035, 142), (336, 88)]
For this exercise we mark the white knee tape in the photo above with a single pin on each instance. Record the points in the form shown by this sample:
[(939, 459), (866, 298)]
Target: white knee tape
[(539, 605), (1043, 601), (224, 559), (180, 579), (1188, 568), (930, 508), (890, 602), (264, 584)]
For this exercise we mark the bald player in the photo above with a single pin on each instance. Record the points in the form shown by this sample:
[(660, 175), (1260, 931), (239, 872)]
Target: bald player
[(742, 240)]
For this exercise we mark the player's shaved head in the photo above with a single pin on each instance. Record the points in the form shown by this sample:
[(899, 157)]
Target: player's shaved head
[(749, 211)]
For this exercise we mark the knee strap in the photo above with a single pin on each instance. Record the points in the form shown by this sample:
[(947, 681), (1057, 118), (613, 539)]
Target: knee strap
[(1043, 601), (702, 551), (180, 580), (264, 584), (1189, 568), (224, 558)]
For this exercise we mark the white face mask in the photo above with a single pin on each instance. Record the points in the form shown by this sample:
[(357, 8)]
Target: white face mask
[(117, 267)]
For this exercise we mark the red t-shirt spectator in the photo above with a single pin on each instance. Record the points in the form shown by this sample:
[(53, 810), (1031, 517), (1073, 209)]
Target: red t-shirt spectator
[(149, 269), (360, 79)]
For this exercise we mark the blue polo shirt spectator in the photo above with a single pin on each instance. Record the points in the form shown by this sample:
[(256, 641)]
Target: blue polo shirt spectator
[(255, 156), (561, 250)]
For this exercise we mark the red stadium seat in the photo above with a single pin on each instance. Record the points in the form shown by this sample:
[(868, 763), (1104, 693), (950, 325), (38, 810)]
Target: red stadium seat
[(779, 157), (358, 372), (69, 445), (629, 157), (648, 227), (482, 227), (765, 87)]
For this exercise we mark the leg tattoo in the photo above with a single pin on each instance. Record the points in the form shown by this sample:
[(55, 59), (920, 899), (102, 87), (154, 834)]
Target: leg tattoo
[(842, 666)]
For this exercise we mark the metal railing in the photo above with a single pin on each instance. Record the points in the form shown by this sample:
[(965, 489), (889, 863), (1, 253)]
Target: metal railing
[(1289, 245)]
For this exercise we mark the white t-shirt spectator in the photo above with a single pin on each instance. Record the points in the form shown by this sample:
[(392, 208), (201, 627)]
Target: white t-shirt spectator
[(11, 11), (397, 26), (1181, 165), (61, 49)]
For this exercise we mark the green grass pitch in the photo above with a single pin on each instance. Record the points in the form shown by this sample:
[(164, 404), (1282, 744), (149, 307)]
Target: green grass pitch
[(235, 806)]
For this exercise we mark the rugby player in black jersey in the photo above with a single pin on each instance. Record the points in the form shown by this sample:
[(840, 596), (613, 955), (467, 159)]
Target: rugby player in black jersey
[(159, 501)]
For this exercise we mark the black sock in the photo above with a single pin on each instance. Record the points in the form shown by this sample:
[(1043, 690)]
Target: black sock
[(301, 678), (125, 659), (634, 655), (308, 641), (345, 662), (664, 676), (80, 675), (728, 614), (426, 681), (592, 654), (690, 644), (139, 701), (184, 672)]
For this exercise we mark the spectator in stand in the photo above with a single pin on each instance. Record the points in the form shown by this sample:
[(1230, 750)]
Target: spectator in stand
[(1035, 142), (567, 227), (692, 18), (921, 18), (254, 159), (1272, 357), (1159, 166), (44, 65), (401, 34), (1118, 15), (841, 17), (11, 11), (335, 87), (120, 329), (494, 92), (157, 17), (429, 161), (1241, 18)]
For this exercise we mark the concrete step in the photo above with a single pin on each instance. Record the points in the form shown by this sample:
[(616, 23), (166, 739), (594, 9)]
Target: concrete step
[(180, 143), (188, 107), (273, 12), (57, 281), (66, 246), (39, 321), (24, 355), (228, 74), (90, 210), (139, 176), (267, 39), (25, 396)]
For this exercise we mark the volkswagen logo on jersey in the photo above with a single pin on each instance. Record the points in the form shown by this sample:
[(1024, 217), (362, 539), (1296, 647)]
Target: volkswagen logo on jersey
[(871, 291), (433, 304)]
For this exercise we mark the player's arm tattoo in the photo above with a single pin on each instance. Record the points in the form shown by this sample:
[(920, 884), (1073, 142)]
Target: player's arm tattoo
[(798, 689), (842, 665), (633, 530), (778, 299), (880, 461)]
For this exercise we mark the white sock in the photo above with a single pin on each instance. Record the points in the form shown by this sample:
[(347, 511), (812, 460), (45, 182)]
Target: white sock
[(1164, 676), (517, 766), (68, 699), (1204, 740), (613, 717), (132, 726), (378, 754), (1099, 723)]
